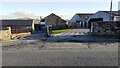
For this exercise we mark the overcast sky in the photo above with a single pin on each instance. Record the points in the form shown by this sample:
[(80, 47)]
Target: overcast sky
[(64, 9)]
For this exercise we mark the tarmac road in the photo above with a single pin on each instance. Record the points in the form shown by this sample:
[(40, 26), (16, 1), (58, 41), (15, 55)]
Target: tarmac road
[(59, 52), (82, 56)]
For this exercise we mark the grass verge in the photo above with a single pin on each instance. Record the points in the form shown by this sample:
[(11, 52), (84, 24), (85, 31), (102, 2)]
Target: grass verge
[(60, 31)]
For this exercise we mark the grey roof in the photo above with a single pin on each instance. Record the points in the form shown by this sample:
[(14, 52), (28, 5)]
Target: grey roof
[(84, 14), (16, 22), (52, 14), (114, 13)]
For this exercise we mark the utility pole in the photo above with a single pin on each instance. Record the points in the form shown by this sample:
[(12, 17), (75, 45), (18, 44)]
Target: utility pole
[(111, 11)]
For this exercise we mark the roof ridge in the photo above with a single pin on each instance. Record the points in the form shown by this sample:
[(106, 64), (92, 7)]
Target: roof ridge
[(84, 13)]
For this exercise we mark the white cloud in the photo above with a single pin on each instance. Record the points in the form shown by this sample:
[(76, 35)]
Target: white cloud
[(23, 14), (64, 15), (20, 14)]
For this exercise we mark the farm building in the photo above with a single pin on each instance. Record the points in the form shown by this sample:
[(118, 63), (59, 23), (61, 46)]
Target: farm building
[(14, 28), (79, 20), (55, 21), (104, 16), (18, 24), (42, 24)]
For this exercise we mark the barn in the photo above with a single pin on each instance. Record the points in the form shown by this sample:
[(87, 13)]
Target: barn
[(55, 21), (18, 26), (104, 16), (79, 20)]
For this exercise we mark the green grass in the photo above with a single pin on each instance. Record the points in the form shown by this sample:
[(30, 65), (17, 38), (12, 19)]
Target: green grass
[(60, 31)]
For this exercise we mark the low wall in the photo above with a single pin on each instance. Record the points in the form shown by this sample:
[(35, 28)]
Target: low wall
[(16, 36), (105, 28), (5, 34)]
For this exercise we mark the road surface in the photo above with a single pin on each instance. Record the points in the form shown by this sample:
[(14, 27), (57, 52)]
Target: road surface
[(60, 50)]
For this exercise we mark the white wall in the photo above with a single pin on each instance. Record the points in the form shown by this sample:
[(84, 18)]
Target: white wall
[(75, 18), (42, 23), (117, 18), (105, 16)]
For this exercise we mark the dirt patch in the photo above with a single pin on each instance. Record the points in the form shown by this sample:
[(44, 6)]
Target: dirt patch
[(29, 45)]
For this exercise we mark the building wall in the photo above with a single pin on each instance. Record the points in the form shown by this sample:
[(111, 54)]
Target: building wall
[(81, 21), (51, 20), (105, 16), (117, 18), (33, 25), (18, 24), (73, 22), (62, 24), (55, 22), (75, 18)]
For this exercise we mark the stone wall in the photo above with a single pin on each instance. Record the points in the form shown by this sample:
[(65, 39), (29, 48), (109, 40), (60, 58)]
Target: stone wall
[(5, 34), (55, 21), (105, 28), (17, 36)]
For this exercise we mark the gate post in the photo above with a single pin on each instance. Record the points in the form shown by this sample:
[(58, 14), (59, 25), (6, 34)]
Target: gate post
[(49, 30), (10, 32)]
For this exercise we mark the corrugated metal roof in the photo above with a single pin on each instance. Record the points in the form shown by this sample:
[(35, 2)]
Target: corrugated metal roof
[(114, 13), (84, 15), (16, 22), (52, 14)]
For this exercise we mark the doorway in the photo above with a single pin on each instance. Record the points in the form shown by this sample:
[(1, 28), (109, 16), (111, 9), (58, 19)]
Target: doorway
[(94, 20)]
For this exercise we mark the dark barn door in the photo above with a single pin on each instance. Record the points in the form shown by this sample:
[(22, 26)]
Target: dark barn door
[(85, 24), (94, 20)]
